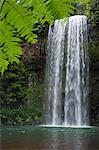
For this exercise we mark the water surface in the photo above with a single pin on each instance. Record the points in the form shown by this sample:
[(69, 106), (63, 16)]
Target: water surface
[(47, 138)]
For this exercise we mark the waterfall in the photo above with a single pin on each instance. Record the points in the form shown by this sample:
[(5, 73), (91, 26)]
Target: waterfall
[(54, 71), (72, 109), (76, 89)]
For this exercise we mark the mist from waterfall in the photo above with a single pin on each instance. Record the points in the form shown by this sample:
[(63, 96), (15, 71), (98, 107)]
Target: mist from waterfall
[(69, 48)]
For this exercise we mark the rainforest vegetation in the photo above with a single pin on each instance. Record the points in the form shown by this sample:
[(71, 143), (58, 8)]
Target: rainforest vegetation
[(23, 37)]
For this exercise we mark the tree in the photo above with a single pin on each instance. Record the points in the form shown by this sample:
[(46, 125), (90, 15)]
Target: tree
[(21, 19)]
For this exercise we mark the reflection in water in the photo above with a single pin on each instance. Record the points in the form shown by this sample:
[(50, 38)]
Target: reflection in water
[(79, 142), (73, 139), (68, 141), (55, 141), (34, 138)]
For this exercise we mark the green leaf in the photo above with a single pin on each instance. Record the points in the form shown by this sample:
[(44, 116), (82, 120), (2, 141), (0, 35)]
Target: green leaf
[(10, 49)]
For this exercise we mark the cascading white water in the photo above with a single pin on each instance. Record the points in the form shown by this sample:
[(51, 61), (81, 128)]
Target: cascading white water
[(74, 112), (76, 89), (54, 71)]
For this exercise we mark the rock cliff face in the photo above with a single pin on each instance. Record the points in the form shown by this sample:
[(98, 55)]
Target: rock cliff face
[(94, 62), (94, 75), (34, 57)]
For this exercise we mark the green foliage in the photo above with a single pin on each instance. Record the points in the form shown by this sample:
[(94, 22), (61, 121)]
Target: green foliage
[(94, 12), (34, 96), (20, 104), (60, 9), (13, 85), (20, 116), (21, 20), (10, 48)]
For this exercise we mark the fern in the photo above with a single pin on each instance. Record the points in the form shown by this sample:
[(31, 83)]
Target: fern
[(40, 13), (23, 18), (20, 18), (60, 9), (10, 48)]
